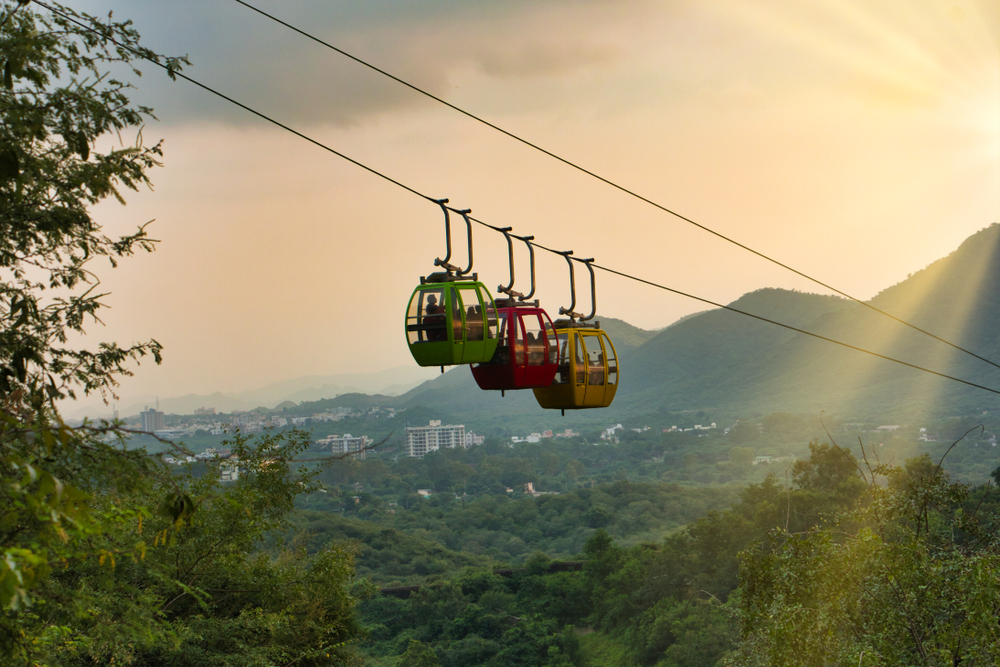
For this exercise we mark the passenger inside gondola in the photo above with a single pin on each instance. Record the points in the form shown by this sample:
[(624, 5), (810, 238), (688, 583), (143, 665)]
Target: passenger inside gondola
[(434, 320), (474, 324), (581, 362), (536, 348), (596, 368)]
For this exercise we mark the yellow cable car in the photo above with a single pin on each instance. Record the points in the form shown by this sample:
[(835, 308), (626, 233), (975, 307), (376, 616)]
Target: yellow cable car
[(587, 366), (587, 372)]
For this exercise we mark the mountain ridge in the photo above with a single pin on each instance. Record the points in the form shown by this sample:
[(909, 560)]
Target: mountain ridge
[(728, 363)]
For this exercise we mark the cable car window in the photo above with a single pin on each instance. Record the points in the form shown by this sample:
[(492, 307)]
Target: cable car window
[(534, 340), (426, 317), (502, 355), (516, 338), (552, 341), (456, 316), (473, 312), (595, 362), (581, 360), (612, 362), (562, 370)]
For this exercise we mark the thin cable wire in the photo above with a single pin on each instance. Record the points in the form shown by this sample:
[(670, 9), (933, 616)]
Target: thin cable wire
[(610, 182), (497, 229)]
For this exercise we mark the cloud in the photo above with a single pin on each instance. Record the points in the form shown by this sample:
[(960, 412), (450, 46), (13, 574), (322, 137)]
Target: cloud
[(279, 72)]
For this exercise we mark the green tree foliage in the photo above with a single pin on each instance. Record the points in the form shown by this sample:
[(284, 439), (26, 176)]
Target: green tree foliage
[(744, 431), (741, 458), (575, 469), (56, 100), (176, 575), (418, 654), (665, 601), (831, 469), (481, 619), (108, 556), (908, 577), (400, 547)]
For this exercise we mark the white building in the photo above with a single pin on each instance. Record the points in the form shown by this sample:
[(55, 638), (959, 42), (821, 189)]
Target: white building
[(347, 444), (423, 439), (152, 420), (172, 433), (229, 470)]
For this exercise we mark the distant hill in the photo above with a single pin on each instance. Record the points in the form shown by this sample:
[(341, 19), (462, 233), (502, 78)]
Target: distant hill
[(625, 336), (390, 382), (728, 364), (731, 364)]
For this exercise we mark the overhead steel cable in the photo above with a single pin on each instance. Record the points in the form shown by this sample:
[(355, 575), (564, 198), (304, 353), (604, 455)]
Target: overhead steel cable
[(611, 183), (436, 201)]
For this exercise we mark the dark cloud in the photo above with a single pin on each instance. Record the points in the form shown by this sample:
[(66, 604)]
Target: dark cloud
[(279, 72)]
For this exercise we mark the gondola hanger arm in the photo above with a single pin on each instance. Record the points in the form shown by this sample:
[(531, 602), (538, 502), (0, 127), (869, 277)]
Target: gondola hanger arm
[(509, 289), (593, 289), (572, 288), (445, 263), (531, 254), (468, 224), (447, 236)]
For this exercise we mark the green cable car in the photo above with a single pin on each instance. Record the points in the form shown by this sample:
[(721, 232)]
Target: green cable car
[(451, 318)]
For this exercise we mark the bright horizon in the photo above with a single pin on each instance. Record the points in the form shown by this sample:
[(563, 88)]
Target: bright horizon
[(855, 141)]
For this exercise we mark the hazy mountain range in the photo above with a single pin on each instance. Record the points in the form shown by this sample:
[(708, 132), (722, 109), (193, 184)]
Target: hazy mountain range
[(730, 364), (391, 382)]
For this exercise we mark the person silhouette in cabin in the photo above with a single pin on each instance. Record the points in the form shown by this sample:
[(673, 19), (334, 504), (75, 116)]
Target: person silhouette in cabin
[(434, 320)]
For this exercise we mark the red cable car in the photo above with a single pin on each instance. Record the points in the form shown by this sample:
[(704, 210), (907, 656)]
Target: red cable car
[(527, 350)]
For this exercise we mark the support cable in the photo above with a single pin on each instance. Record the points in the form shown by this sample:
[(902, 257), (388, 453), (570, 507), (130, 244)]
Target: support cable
[(613, 184), (465, 212)]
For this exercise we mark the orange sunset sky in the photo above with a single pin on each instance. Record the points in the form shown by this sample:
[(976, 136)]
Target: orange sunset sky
[(856, 140)]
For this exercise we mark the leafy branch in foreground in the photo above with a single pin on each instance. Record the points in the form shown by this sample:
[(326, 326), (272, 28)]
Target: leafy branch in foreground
[(203, 587), (108, 556), (57, 99)]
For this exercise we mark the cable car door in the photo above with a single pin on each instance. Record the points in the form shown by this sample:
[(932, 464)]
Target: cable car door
[(579, 378), (535, 373), (596, 375), (474, 331)]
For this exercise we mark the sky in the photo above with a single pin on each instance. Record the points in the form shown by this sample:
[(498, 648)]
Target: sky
[(855, 140)]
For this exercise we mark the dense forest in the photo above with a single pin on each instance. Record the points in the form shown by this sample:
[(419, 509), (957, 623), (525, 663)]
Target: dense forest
[(618, 567), (680, 598), (631, 549)]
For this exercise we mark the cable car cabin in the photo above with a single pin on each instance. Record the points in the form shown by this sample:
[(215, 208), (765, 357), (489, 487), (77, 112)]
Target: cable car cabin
[(527, 350), (587, 373), (450, 321)]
